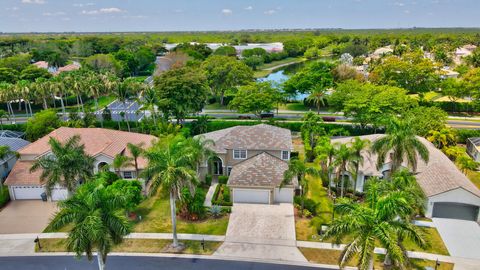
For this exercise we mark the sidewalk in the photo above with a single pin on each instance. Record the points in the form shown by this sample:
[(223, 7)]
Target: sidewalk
[(209, 196)]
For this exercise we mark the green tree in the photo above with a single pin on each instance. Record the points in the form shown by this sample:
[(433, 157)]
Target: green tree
[(41, 124), (66, 166), (136, 150), (474, 58), (445, 137), (3, 114), (18, 62), (343, 157), (255, 98), (358, 147), (121, 161), (181, 91), (226, 50), (8, 75), (315, 76), (467, 164), (225, 73), (254, 61), (402, 143), (131, 189), (97, 219), (103, 63), (298, 169), (170, 166), (425, 119)]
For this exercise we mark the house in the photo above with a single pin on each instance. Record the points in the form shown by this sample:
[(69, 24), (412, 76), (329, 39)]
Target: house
[(255, 159), (450, 194), (473, 148), (14, 142), (448, 73), (102, 144), (382, 51)]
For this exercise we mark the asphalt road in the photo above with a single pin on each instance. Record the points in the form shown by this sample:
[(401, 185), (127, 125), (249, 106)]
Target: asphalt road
[(133, 262)]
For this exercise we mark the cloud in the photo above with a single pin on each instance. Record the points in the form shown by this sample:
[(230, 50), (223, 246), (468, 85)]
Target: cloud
[(135, 17), (248, 8), (102, 11), (38, 2), (227, 11), (51, 14), (83, 5), (270, 12), (12, 9), (399, 4), (178, 11)]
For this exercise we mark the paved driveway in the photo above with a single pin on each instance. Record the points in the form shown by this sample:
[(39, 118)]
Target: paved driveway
[(461, 237), (260, 231), (26, 216)]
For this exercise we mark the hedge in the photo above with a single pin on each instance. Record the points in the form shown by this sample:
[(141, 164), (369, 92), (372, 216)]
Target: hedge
[(221, 196), (4, 195), (464, 134), (450, 106)]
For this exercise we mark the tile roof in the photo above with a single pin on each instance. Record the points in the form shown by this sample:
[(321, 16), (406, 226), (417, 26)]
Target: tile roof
[(258, 137), (41, 64), (21, 176), (437, 176), (262, 170)]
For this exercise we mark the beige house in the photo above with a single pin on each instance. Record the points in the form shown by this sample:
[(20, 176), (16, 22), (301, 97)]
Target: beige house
[(254, 158), (102, 144), (449, 192)]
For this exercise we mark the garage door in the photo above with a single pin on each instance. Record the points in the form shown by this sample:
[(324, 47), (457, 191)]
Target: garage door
[(455, 211), (27, 193), (251, 196)]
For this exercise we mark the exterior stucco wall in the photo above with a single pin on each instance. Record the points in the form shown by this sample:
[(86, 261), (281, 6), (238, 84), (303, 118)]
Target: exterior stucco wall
[(458, 195)]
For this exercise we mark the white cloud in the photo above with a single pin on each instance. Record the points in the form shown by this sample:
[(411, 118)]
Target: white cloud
[(406, 11), (178, 11), (249, 8), (83, 5), (102, 11), (135, 17), (38, 2), (227, 11), (59, 13), (270, 12), (399, 4), (12, 9)]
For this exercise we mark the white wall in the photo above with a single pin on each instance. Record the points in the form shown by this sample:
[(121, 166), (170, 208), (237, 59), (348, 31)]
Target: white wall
[(458, 195), (101, 158)]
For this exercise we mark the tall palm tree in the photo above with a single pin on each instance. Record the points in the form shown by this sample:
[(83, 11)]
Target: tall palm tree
[(6, 96), (357, 146), (298, 168), (326, 152), (149, 99), (404, 181), (97, 218), (317, 97), (343, 156), (65, 166), (403, 145), (170, 165), (380, 220), (121, 92), (200, 149), (136, 150)]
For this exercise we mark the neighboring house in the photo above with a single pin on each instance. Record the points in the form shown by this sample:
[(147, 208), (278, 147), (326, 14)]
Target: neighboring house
[(473, 148), (450, 194), (448, 73), (382, 51), (8, 162), (254, 158), (102, 144)]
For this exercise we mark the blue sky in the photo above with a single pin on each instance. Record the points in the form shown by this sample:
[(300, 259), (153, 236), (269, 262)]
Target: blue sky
[(183, 15)]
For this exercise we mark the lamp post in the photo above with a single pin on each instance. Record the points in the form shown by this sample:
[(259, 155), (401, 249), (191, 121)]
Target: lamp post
[(37, 240), (437, 264)]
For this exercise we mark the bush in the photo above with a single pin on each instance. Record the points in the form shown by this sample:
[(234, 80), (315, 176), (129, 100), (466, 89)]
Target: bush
[(226, 209), (308, 204), (215, 211), (41, 124), (4, 195), (192, 206), (221, 196), (464, 134), (208, 180), (131, 189), (222, 179)]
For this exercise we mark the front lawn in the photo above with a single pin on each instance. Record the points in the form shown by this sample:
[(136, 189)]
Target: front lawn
[(137, 246), (155, 218), (297, 106), (474, 176), (434, 242)]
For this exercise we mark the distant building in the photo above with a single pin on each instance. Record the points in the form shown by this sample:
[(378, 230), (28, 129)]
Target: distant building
[(448, 73), (382, 52)]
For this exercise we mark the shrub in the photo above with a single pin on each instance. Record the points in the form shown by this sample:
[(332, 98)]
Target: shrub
[(215, 211), (226, 209), (222, 179), (221, 196), (208, 180), (464, 134), (192, 206), (308, 204), (319, 221), (131, 189), (4, 195)]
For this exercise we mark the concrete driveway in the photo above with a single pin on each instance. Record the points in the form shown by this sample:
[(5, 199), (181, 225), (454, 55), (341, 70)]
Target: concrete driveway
[(26, 216), (461, 237), (258, 231)]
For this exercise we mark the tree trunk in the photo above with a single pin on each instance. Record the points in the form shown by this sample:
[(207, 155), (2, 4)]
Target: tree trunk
[(126, 116), (30, 108), (387, 260), (81, 104), (101, 261), (45, 106), (63, 108), (222, 94), (173, 213)]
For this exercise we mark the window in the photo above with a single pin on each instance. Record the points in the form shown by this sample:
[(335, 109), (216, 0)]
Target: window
[(285, 155), (127, 175), (239, 154), (229, 170)]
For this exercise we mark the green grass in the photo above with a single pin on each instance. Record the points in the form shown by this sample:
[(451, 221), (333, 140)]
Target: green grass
[(215, 106), (261, 73), (474, 177), (297, 106), (137, 246), (155, 213), (434, 242)]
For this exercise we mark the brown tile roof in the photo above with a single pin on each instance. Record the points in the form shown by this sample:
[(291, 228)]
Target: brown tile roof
[(41, 64), (437, 176), (258, 137), (21, 176), (262, 170)]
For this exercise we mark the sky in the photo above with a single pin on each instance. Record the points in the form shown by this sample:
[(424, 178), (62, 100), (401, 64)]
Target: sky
[(201, 15)]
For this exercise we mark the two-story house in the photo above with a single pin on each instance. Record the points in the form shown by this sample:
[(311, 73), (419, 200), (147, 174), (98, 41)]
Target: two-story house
[(450, 194), (255, 159), (102, 144)]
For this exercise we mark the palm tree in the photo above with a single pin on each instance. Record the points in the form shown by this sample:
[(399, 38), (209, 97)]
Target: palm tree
[(121, 92), (467, 164), (298, 168), (381, 219), (443, 138), (97, 219), (326, 152), (317, 97), (404, 181), (136, 150), (7, 91), (200, 149), (170, 166), (343, 156), (66, 165), (402, 143), (3, 114), (357, 147), (121, 161)]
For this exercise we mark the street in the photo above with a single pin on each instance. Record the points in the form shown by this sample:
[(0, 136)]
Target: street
[(133, 262)]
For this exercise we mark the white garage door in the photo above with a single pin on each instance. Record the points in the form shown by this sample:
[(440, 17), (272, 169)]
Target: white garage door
[(283, 195), (28, 193), (251, 196), (59, 194)]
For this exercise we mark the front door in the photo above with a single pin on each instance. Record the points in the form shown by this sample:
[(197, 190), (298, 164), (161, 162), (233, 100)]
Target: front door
[(217, 167)]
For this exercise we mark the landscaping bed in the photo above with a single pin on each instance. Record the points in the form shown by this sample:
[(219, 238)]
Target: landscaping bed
[(221, 196), (137, 246)]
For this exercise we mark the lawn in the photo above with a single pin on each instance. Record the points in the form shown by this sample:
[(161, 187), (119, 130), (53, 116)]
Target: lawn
[(137, 246), (215, 106), (328, 256), (474, 177), (296, 106), (434, 242), (155, 218), (261, 73)]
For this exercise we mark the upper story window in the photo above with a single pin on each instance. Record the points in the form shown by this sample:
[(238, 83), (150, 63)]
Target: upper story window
[(239, 154), (127, 175), (285, 155)]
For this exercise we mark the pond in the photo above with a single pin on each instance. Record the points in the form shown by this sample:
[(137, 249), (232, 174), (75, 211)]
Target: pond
[(280, 75)]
